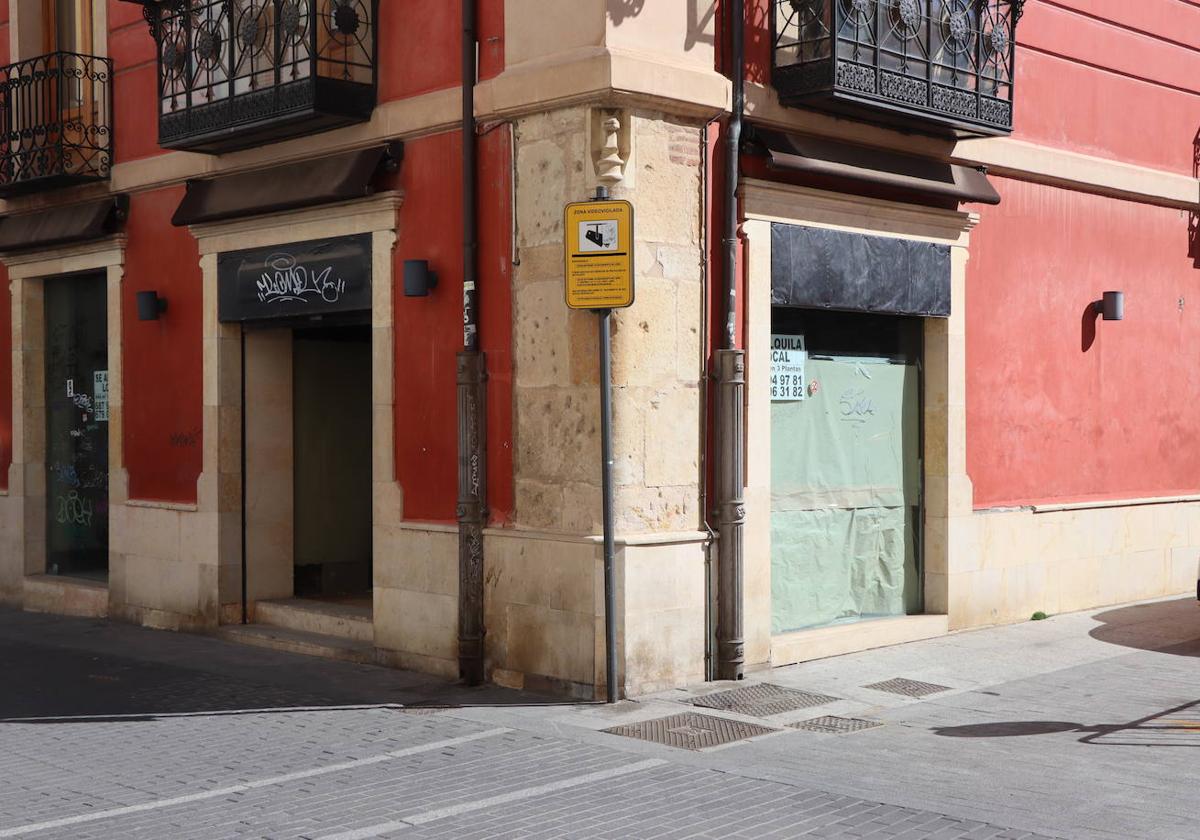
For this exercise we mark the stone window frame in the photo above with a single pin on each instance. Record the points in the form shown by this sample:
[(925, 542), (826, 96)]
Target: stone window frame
[(27, 473), (219, 484), (948, 497)]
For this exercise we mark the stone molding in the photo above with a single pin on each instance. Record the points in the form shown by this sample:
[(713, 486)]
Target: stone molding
[(948, 492)]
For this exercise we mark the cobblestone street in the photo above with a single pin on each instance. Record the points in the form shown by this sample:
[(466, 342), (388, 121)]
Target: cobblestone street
[(1072, 727)]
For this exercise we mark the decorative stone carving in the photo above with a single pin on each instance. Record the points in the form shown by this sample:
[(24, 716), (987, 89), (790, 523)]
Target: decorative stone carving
[(610, 168)]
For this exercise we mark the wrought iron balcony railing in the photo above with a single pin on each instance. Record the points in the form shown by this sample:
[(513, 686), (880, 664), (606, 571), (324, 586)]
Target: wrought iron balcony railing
[(939, 66), (56, 131), (239, 73)]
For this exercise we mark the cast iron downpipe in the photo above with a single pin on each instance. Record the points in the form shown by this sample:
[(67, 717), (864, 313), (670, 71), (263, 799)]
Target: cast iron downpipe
[(731, 392), (472, 435)]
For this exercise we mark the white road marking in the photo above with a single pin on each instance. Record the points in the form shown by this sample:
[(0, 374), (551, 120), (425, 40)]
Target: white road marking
[(501, 799), (270, 710), (20, 830)]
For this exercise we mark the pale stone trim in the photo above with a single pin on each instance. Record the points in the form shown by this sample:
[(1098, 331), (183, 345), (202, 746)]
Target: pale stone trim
[(366, 215), (948, 492), (596, 72), (160, 505), (823, 642), (1110, 503), (219, 484), (775, 202), (87, 256), (27, 480), (661, 538)]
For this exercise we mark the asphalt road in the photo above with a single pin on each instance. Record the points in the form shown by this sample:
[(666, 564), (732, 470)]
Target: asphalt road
[(1079, 727)]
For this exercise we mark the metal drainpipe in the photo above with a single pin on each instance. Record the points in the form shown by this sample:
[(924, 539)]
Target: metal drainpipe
[(472, 413), (731, 392)]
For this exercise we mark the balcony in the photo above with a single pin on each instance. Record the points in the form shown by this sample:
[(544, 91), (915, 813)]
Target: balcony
[(56, 131), (233, 74), (934, 66)]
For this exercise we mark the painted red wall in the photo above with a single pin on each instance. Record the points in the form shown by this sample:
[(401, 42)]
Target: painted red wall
[(6, 405), (419, 45), (1050, 418), (1112, 79), (4, 32), (163, 359), (135, 83), (429, 329)]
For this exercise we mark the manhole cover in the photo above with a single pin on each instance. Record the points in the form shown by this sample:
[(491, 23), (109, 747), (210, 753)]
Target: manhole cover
[(834, 725), (909, 688), (761, 700), (690, 731)]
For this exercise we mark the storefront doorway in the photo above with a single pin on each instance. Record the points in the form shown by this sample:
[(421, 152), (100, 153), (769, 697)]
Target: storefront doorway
[(846, 467), (76, 381), (331, 399)]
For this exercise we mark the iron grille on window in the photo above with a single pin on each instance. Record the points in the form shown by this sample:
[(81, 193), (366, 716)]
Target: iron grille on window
[(239, 73), (56, 122), (933, 65)]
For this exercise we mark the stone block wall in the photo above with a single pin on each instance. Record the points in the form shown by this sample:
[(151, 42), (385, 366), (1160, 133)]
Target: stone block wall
[(544, 600), (1010, 564)]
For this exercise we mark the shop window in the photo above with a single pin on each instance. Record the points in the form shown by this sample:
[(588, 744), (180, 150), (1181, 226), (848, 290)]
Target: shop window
[(845, 467)]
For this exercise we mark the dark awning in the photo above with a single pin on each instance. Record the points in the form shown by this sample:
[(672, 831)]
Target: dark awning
[(62, 225), (838, 163), (288, 187)]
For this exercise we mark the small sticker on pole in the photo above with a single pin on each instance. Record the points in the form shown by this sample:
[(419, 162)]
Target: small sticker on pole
[(598, 236)]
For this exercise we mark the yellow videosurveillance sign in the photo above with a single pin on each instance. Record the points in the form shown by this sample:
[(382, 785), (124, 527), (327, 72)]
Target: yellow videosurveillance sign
[(599, 250)]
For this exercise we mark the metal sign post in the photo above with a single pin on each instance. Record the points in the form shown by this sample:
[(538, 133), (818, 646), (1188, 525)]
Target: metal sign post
[(598, 236)]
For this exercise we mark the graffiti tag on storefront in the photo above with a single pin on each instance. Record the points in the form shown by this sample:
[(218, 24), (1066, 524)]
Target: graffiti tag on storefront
[(285, 281), (321, 278)]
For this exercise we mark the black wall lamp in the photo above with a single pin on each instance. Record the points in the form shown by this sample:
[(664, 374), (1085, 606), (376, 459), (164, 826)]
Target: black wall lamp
[(1111, 307), (418, 279), (150, 306)]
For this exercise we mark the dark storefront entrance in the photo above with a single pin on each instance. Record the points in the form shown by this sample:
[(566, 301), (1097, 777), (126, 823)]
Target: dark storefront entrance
[(331, 398), (305, 311), (76, 426)]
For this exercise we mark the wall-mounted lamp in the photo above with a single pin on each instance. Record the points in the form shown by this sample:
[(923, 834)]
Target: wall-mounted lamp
[(150, 306), (1111, 307), (418, 279)]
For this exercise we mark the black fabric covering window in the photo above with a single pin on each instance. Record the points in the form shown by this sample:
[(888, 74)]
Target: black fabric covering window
[(62, 225), (288, 187), (846, 167), (833, 269)]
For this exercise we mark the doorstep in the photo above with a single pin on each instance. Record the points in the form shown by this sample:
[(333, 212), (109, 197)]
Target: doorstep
[(344, 619), (299, 641), (822, 642), (60, 595)]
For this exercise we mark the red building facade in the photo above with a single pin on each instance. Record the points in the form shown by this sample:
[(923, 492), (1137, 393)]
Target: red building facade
[(931, 196)]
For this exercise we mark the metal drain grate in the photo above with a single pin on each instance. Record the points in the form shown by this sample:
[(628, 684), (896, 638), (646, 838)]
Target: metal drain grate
[(691, 731), (834, 725), (909, 688), (426, 710), (761, 700)]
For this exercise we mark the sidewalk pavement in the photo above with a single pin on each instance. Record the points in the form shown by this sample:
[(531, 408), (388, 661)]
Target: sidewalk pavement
[(1077, 726)]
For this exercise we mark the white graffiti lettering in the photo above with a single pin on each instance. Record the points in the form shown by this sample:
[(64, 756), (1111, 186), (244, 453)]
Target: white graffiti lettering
[(285, 281)]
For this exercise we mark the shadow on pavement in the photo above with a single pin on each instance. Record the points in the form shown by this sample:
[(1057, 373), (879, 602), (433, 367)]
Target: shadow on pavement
[(1178, 726), (1164, 626), (58, 670)]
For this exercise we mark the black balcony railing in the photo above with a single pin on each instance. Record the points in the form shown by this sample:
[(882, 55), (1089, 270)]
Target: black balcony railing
[(56, 131), (239, 73), (939, 66)]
